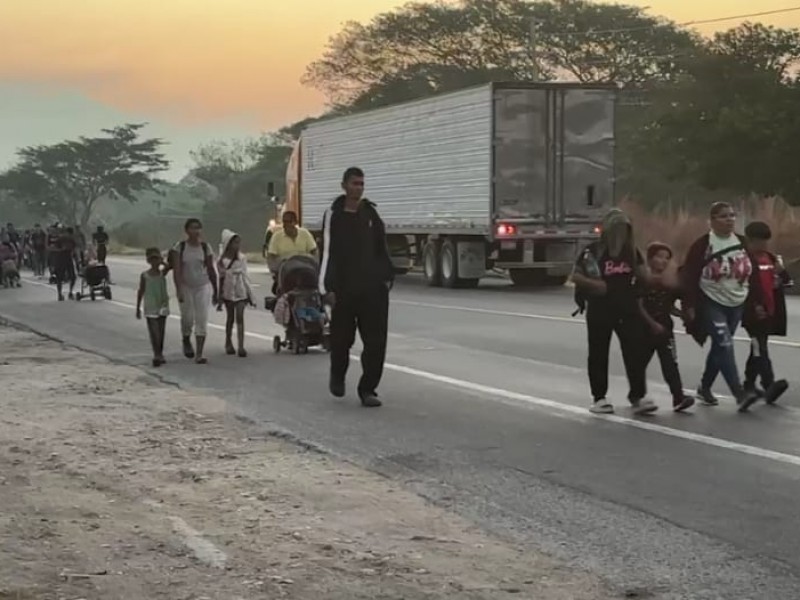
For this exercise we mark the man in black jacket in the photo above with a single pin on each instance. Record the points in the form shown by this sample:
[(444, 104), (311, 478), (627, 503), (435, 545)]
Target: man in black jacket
[(356, 275)]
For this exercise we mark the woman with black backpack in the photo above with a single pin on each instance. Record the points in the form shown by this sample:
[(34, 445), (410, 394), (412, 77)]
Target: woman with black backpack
[(192, 262)]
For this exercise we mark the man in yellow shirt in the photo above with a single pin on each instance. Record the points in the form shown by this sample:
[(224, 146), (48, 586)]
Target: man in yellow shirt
[(287, 242)]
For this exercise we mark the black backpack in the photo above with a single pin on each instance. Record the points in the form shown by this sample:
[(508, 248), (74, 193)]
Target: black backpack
[(579, 295)]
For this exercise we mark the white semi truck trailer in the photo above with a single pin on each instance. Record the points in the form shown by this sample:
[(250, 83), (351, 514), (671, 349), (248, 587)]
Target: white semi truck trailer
[(505, 176)]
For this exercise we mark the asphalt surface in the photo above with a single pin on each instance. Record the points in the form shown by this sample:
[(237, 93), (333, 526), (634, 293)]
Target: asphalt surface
[(486, 413)]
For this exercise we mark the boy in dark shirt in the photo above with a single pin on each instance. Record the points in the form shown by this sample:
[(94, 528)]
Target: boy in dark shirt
[(765, 318), (657, 306)]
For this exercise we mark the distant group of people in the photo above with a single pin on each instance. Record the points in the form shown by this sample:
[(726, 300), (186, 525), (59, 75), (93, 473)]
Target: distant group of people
[(355, 276), (726, 280), (61, 250)]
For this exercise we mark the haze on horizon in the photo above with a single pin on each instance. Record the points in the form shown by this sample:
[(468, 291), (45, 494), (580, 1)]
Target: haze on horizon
[(197, 70)]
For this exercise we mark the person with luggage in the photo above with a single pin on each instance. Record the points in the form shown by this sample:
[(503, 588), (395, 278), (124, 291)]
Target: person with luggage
[(606, 276), (235, 290), (765, 319), (657, 307), (356, 274), (195, 278), (718, 281), (153, 293)]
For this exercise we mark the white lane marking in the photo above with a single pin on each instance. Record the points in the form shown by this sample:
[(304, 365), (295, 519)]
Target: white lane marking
[(573, 410), (563, 408), (538, 317), (206, 552)]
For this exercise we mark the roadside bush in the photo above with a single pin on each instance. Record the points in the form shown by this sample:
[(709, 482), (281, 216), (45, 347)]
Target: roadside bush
[(680, 227)]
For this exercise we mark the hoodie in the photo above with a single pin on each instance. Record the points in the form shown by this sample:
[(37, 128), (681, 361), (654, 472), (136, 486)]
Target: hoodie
[(615, 259), (355, 255), (234, 280)]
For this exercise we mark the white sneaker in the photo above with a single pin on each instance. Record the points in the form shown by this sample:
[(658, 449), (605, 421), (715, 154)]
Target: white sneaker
[(645, 406), (602, 407)]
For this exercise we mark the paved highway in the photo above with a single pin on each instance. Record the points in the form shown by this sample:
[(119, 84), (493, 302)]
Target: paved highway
[(486, 413)]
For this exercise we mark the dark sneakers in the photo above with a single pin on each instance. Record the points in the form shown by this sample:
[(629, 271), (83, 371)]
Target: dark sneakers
[(707, 397), (682, 404), (337, 388), (370, 400), (746, 399), (775, 391), (188, 350)]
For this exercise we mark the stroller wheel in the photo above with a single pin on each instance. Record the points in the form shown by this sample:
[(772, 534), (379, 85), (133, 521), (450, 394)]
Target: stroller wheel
[(107, 293), (326, 343), (92, 296), (277, 344), (78, 297)]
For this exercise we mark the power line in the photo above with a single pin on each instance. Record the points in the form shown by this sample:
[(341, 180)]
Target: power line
[(765, 13)]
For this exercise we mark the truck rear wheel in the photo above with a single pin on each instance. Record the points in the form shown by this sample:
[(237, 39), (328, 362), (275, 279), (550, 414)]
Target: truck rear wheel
[(431, 265), (528, 277), (448, 259)]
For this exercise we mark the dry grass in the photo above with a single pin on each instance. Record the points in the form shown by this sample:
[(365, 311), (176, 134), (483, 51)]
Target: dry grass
[(679, 228)]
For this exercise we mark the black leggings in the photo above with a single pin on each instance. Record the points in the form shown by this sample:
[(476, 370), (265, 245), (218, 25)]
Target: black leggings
[(759, 363), (665, 348), (156, 328), (601, 325)]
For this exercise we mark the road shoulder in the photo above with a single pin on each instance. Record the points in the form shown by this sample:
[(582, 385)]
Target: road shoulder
[(115, 485)]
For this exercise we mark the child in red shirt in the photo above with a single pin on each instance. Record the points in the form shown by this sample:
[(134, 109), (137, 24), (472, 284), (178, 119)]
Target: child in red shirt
[(768, 317)]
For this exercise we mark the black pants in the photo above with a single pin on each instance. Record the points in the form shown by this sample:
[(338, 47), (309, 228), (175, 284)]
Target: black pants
[(367, 312), (39, 259), (102, 252), (601, 325), (759, 364), (156, 328), (664, 347), (64, 268)]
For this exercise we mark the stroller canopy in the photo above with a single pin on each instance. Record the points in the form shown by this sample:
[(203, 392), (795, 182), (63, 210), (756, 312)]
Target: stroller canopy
[(298, 272)]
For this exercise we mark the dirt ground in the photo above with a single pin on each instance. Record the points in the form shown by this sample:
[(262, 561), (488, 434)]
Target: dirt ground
[(114, 485)]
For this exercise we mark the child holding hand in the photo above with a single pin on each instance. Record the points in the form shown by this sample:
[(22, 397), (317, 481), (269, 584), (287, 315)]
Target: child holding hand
[(657, 307)]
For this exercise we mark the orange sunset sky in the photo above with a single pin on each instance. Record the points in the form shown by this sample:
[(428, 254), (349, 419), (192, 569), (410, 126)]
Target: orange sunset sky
[(195, 69)]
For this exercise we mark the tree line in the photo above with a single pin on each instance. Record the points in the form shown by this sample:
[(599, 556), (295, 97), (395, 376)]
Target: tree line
[(697, 115)]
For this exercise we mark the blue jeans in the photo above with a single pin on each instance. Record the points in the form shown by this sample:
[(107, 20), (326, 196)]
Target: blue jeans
[(721, 323)]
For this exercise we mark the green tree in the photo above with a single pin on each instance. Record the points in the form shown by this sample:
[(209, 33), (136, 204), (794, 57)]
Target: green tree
[(66, 180), (731, 123), (426, 48), (241, 171)]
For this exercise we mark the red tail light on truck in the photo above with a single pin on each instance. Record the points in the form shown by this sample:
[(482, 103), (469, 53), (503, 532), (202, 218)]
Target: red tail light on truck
[(504, 230)]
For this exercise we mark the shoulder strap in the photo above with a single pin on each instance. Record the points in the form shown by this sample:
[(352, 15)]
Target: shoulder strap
[(720, 253), (182, 247)]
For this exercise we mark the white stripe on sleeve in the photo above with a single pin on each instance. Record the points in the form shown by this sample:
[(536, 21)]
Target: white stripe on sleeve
[(326, 250)]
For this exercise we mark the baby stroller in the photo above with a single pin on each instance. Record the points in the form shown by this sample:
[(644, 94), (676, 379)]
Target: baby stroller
[(94, 279), (299, 307)]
